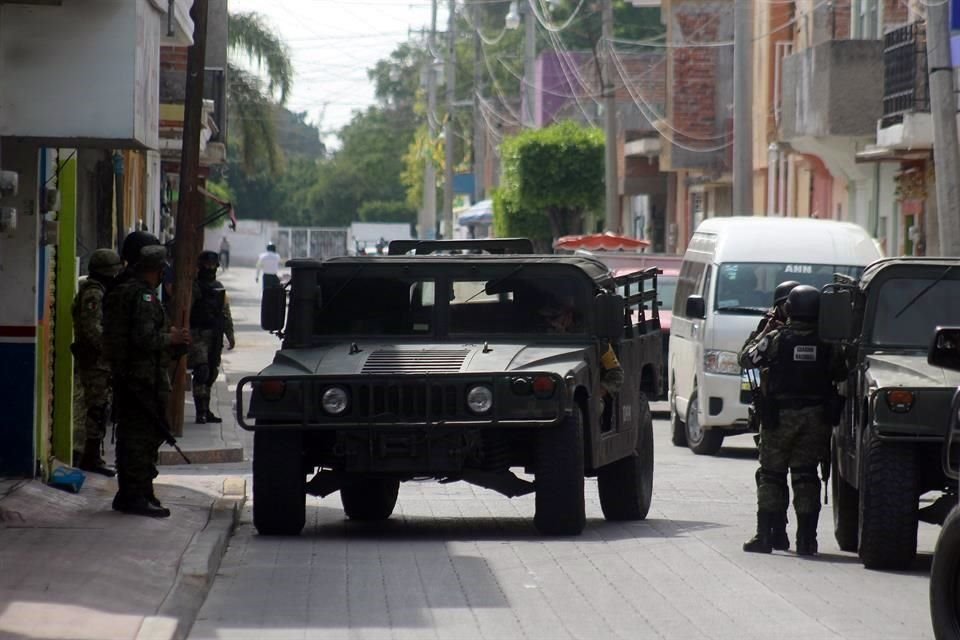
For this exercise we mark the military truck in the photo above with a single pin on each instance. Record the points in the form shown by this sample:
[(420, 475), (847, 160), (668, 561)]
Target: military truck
[(443, 360), (887, 448)]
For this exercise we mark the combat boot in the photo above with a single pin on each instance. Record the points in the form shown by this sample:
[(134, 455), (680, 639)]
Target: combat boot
[(807, 534), (138, 505), (763, 541), (201, 410), (210, 415), (778, 532), (91, 460)]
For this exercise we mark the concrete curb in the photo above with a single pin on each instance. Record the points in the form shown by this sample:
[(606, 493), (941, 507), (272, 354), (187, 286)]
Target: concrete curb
[(198, 567)]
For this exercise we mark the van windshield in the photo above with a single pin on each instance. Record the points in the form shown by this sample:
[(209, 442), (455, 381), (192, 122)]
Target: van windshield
[(747, 287)]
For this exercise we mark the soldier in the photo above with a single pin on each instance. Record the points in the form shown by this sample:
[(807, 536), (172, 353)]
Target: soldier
[(210, 321), (93, 370), (140, 344), (800, 373)]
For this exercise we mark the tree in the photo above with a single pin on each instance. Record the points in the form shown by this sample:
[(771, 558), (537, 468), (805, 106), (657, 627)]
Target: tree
[(380, 211), (551, 178)]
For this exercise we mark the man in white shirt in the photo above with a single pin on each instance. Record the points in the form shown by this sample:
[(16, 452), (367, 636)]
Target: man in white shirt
[(269, 264)]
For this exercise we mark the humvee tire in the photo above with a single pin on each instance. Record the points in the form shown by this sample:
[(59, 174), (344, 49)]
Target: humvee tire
[(703, 442), (888, 505), (626, 486), (279, 483), (558, 478), (370, 499), (945, 580), (846, 506)]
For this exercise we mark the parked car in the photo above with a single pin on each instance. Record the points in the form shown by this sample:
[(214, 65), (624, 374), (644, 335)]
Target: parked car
[(726, 283)]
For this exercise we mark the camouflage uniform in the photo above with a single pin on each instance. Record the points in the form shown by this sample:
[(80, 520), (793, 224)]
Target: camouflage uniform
[(93, 370), (137, 342), (210, 321)]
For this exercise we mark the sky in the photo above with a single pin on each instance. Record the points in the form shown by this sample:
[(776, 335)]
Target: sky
[(333, 43)]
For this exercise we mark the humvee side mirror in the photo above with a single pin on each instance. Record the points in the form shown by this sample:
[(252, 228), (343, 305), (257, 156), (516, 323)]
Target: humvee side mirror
[(695, 308), (836, 315), (945, 348), (273, 309), (610, 313)]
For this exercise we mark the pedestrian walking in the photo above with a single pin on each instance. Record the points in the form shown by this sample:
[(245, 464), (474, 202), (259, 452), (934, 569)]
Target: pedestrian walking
[(269, 264), (210, 321), (93, 370), (140, 345), (796, 436), (224, 253)]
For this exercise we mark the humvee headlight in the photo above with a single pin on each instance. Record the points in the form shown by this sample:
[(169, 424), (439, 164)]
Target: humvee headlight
[(335, 401), (480, 399), (899, 400)]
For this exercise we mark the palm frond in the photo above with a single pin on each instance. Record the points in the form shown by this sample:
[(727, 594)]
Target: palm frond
[(252, 114), (251, 36)]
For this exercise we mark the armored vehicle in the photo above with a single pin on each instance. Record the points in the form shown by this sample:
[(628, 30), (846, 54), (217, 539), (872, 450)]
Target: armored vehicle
[(887, 448), (453, 366)]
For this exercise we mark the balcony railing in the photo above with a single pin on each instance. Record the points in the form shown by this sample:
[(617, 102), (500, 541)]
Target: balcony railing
[(905, 88)]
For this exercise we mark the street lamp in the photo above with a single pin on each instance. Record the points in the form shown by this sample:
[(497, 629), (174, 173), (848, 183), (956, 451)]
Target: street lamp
[(529, 55)]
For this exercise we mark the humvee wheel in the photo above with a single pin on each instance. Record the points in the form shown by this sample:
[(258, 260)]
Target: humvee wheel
[(279, 483), (626, 486), (558, 478), (888, 505), (679, 434), (945, 580), (846, 506), (703, 442), (369, 499)]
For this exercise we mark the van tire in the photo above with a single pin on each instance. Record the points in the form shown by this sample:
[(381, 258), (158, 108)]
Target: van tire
[(279, 482), (679, 430), (626, 486), (703, 442), (369, 499), (558, 478)]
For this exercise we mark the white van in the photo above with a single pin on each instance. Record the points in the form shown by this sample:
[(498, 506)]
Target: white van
[(726, 282)]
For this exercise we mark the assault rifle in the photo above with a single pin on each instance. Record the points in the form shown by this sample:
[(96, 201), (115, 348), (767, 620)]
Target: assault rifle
[(159, 422)]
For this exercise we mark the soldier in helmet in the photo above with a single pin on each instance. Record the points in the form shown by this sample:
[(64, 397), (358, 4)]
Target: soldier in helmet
[(800, 370), (210, 321), (140, 345), (93, 370)]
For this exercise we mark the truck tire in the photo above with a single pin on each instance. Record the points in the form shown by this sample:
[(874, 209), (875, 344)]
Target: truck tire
[(626, 486), (846, 505), (888, 504), (945, 580), (279, 483), (558, 478), (703, 442), (370, 499), (679, 430)]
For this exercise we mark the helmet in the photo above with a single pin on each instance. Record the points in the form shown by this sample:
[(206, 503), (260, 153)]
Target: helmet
[(272, 247), (105, 262), (152, 257), (209, 258), (133, 243), (783, 290), (803, 303)]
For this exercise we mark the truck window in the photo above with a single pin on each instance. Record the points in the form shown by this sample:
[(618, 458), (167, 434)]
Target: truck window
[(375, 304), (898, 325), (524, 303)]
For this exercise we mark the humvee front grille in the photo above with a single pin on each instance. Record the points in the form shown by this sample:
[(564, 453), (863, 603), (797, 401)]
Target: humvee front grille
[(387, 361), (411, 401)]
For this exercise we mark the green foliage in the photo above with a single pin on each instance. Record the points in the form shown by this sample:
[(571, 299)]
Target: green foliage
[(221, 190), (554, 176), (380, 211), (512, 221)]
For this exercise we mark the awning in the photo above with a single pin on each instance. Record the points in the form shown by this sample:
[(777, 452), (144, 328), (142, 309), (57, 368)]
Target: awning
[(479, 213), (226, 208), (600, 242)]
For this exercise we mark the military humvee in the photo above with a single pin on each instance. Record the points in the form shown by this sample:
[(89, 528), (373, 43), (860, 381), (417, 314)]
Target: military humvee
[(887, 449), (441, 365)]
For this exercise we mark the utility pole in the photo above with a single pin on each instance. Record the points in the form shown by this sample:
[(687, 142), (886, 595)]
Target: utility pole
[(529, 61), (428, 217), (450, 78), (190, 204), (612, 218), (479, 132), (742, 109), (946, 146)]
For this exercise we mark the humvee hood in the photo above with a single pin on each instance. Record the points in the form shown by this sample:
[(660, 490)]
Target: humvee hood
[(435, 358), (908, 370)]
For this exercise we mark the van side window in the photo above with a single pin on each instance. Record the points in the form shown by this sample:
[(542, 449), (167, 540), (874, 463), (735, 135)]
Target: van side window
[(689, 283)]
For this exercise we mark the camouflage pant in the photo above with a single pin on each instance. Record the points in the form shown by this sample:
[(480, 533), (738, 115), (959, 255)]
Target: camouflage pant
[(138, 442), (798, 444), (97, 396), (204, 359)]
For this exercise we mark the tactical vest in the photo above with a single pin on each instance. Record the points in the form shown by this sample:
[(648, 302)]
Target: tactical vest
[(802, 368), (207, 310)]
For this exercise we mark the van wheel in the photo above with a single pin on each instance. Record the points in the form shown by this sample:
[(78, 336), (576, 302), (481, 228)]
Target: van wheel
[(846, 506), (945, 580), (679, 430), (279, 483), (626, 486), (558, 478), (370, 499), (703, 442)]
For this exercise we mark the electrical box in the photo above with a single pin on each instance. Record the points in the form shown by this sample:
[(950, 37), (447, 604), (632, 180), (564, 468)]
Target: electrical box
[(8, 219), (9, 181)]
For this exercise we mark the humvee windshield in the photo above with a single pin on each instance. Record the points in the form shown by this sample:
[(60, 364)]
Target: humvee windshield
[(898, 322), (487, 299)]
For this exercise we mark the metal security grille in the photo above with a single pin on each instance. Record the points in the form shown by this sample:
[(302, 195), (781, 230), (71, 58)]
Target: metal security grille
[(905, 87), (389, 361)]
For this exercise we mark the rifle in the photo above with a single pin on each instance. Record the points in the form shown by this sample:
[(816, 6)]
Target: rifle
[(159, 422)]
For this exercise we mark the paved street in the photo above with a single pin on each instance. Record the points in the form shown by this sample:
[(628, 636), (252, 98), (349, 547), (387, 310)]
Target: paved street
[(462, 562)]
